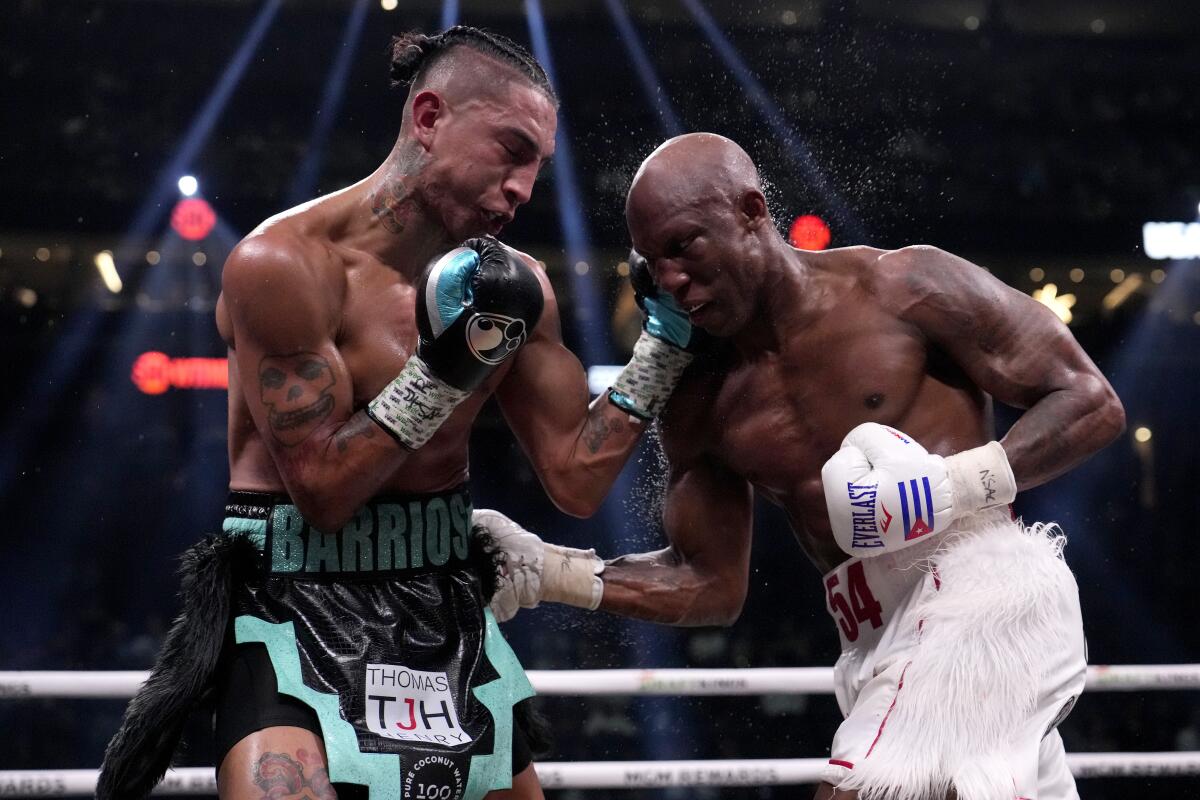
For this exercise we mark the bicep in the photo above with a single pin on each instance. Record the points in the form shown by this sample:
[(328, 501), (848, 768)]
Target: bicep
[(708, 518), (544, 395), (293, 378), (1007, 343)]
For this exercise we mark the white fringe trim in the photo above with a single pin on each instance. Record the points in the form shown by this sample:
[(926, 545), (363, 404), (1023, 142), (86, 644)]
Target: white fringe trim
[(975, 676)]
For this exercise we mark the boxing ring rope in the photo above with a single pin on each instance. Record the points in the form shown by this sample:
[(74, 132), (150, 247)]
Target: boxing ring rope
[(616, 774), (584, 682)]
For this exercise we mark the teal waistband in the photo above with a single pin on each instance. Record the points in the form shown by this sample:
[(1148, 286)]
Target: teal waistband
[(387, 537)]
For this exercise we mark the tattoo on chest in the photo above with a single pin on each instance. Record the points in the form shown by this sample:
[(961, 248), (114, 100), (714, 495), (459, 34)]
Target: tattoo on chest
[(281, 777), (597, 431), (295, 390)]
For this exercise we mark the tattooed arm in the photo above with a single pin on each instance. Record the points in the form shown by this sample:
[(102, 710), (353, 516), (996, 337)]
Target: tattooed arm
[(1015, 349), (577, 448), (282, 306)]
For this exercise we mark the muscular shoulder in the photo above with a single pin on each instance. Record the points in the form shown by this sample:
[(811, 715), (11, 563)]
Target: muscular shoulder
[(277, 271), (922, 278)]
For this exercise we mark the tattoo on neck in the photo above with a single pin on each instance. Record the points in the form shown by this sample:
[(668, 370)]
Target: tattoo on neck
[(392, 201)]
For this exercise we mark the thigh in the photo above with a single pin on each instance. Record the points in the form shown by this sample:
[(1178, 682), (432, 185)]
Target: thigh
[(276, 762), (525, 786)]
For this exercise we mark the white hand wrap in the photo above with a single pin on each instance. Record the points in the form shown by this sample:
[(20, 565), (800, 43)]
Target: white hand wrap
[(415, 404), (981, 478), (572, 576), (647, 381), (532, 570)]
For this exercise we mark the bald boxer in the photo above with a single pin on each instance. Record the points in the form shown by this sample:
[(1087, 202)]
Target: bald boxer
[(366, 329), (854, 388)]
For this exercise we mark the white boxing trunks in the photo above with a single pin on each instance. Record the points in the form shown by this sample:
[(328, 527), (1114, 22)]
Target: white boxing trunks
[(960, 656)]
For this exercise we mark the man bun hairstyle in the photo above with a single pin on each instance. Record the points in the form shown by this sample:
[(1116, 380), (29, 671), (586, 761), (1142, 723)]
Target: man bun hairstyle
[(414, 54)]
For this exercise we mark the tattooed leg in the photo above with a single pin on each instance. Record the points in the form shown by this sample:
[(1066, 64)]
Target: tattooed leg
[(279, 763)]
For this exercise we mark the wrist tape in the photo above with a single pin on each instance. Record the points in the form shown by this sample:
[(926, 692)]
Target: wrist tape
[(572, 576), (415, 404), (647, 381), (981, 478)]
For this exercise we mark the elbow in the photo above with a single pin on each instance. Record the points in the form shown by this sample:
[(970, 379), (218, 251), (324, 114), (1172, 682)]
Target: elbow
[(716, 603), (1109, 414), (577, 498), (322, 508)]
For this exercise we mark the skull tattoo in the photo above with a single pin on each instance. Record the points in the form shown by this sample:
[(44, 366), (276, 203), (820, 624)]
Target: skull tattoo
[(295, 390)]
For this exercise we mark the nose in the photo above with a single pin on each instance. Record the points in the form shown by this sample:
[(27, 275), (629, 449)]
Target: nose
[(518, 185), (669, 276)]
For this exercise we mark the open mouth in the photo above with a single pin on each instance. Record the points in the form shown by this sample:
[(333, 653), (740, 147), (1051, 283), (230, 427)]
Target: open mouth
[(495, 220)]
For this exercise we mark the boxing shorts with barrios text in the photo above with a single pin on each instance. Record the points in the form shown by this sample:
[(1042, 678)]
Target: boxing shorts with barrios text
[(382, 630)]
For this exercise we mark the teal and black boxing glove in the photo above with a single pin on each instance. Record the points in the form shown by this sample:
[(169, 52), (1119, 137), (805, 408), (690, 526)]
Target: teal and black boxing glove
[(661, 353), (476, 305)]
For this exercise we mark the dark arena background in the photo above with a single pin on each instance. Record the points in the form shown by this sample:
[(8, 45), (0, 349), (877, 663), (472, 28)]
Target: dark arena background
[(1055, 143)]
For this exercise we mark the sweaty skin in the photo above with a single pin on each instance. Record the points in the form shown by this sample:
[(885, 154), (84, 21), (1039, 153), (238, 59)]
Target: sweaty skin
[(318, 312), (810, 345)]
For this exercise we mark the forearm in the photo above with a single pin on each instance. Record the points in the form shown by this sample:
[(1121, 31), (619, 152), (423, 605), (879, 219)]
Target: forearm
[(579, 480), (660, 587), (1062, 429), (336, 471)]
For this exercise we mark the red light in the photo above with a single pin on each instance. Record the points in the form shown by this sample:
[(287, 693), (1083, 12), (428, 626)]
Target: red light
[(809, 232), (155, 372), (193, 218)]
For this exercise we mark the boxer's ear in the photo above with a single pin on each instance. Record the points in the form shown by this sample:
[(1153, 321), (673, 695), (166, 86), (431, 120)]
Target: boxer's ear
[(427, 107), (752, 209)]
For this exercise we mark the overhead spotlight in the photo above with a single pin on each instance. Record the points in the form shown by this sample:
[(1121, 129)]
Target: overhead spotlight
[(1076, 275), (581, 268), (1036, 274), (389, 5), (971, 23), (1142, 434), (108, 270), (623, 268), (188, 185), (1098, 26)]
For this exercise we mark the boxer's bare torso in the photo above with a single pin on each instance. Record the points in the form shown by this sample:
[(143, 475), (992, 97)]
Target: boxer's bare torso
[(368, 312), (773, 417), (808, 345)]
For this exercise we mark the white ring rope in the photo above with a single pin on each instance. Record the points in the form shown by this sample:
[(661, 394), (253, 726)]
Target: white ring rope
[(727, 682), (613, 774)]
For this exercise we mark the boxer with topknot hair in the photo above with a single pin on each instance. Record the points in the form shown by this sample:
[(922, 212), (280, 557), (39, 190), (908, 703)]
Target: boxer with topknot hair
[(340, 622)]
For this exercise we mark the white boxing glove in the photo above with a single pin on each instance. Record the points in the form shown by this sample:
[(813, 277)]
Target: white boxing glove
[(532, 570), (884, 491)]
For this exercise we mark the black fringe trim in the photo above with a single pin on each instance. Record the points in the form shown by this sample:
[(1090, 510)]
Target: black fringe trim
[(140, 753)]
